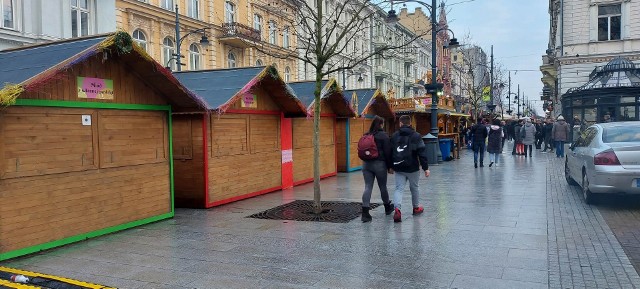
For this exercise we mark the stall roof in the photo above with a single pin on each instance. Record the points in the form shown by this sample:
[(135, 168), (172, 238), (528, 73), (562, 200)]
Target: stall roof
[(220, 88), (29, 67), (369, 98), (331, 93)]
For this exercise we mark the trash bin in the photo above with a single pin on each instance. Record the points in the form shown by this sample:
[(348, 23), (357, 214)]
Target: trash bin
[(445, 148), (431, 143)]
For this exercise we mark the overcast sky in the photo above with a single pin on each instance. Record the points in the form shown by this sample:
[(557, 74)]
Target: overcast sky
[(517, 29)]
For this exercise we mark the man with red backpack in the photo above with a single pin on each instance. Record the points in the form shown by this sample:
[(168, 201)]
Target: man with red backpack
[(374, 149), (409, 154)]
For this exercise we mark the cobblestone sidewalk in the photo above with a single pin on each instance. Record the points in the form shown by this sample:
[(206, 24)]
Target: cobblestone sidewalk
[(583, 251)]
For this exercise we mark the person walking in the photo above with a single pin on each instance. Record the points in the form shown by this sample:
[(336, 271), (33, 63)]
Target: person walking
[(539, 134), (560, 133), (548, 139), (377, 169), (503, 125), (528, 131), (409, 154), (479, 137), (517, 139), (494, 146)]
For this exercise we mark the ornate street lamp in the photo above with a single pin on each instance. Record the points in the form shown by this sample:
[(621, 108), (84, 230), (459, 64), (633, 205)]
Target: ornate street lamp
[(432, 87), (204, 40)]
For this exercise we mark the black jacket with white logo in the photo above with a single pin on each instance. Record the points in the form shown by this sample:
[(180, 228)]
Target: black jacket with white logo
[(419, 153)]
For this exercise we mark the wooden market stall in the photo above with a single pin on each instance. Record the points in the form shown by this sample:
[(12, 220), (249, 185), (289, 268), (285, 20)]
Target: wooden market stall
[(419, 108), (333, 106), (242, 148), (367, 103), (85, 141)]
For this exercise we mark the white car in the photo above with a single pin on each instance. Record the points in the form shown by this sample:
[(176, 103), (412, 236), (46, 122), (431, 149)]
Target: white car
[(605, 159)]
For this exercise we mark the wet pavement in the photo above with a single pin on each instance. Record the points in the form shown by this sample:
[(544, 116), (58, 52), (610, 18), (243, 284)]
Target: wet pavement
[(518, 225)]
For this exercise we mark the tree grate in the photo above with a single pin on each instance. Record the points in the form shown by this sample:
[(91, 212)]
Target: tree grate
[(302, 210)]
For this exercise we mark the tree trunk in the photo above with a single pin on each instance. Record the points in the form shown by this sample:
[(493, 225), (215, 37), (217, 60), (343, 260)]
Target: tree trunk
[(316, 144)]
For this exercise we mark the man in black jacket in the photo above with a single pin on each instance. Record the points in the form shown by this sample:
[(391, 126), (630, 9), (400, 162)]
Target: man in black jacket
[(408, 155), (479, 135)]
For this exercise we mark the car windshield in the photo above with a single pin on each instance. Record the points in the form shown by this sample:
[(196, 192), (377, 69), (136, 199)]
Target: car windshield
[(621, 134)]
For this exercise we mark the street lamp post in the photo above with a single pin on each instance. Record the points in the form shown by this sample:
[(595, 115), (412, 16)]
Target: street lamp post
[(432, 87), (491, 106), (203, 40), (518, 100)]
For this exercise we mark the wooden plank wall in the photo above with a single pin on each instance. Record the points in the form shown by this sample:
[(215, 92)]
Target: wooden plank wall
[(358, 127), (341, 143), (81, 178), (127, 86), (245, 155), (188, 165), (303, 148)]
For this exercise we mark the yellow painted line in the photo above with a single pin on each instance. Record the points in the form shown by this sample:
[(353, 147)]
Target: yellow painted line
[(52, 277), (16, 285)]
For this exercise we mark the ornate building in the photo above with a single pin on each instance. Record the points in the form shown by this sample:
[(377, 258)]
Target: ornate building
[(34, 21), (241, 34), (583, 38)]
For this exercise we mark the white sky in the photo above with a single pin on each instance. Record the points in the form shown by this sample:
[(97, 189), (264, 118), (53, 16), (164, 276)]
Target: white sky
[(517, 29)]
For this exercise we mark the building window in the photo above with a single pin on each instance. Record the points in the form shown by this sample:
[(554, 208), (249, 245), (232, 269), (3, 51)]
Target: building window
[(259, 63), (231, 60), (167, 4), (194, 9), (7, 13), (285, 37), (257, 23), (140, 39), (167, 53), (194, 57), (287, 74), (609, 22), (79, 17), (272, 32), (229, 12)]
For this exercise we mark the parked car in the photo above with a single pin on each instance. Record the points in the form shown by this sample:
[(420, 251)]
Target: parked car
[(605, 159)]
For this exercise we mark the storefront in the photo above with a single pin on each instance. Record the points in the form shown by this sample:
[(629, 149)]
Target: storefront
[(612, 94)]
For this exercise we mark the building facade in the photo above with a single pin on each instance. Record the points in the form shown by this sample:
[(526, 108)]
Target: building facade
[(583, 38), (241, 34), (35, 21)]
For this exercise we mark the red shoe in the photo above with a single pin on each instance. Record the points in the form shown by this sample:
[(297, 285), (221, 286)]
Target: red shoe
[(397, 217), (419, 210)]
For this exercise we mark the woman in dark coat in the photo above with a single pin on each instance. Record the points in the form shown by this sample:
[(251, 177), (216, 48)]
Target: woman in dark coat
[(494, 146), (377, 169)]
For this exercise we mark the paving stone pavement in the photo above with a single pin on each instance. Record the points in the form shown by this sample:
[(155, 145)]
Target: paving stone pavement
[(622, 214), (583, 251), (517, 225)]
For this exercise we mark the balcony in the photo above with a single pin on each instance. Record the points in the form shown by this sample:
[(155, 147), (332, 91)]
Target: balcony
[(239, 35), (382, 72), (379, 41), (410, 81), (410, 58)]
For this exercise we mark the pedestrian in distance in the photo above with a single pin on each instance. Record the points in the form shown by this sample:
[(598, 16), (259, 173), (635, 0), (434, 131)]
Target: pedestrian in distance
[(494, 146), (409, 153), (548, 138), (479, 137), (560, 134), (539, 134), (518, 148), (376, 168), (503, 125), (528, 133)]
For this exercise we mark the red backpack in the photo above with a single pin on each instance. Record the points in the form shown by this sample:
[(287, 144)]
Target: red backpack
[(367, 148)]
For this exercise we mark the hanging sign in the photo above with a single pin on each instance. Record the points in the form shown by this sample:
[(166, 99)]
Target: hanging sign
[(249, 101), (95, 88)]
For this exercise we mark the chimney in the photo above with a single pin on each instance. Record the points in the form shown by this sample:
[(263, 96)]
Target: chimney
[(418, 10), (403, 11)]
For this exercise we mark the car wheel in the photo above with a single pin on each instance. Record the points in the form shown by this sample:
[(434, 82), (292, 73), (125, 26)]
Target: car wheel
[(586, 193), (567, 175)]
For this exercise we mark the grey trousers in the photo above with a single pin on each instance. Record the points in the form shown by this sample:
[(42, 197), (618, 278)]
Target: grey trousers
[(372, 170), (401, 181)]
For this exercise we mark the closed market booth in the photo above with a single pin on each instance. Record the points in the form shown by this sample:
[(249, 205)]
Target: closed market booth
[(85, 141), (333, 106), (367, 103), (242, 147)]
